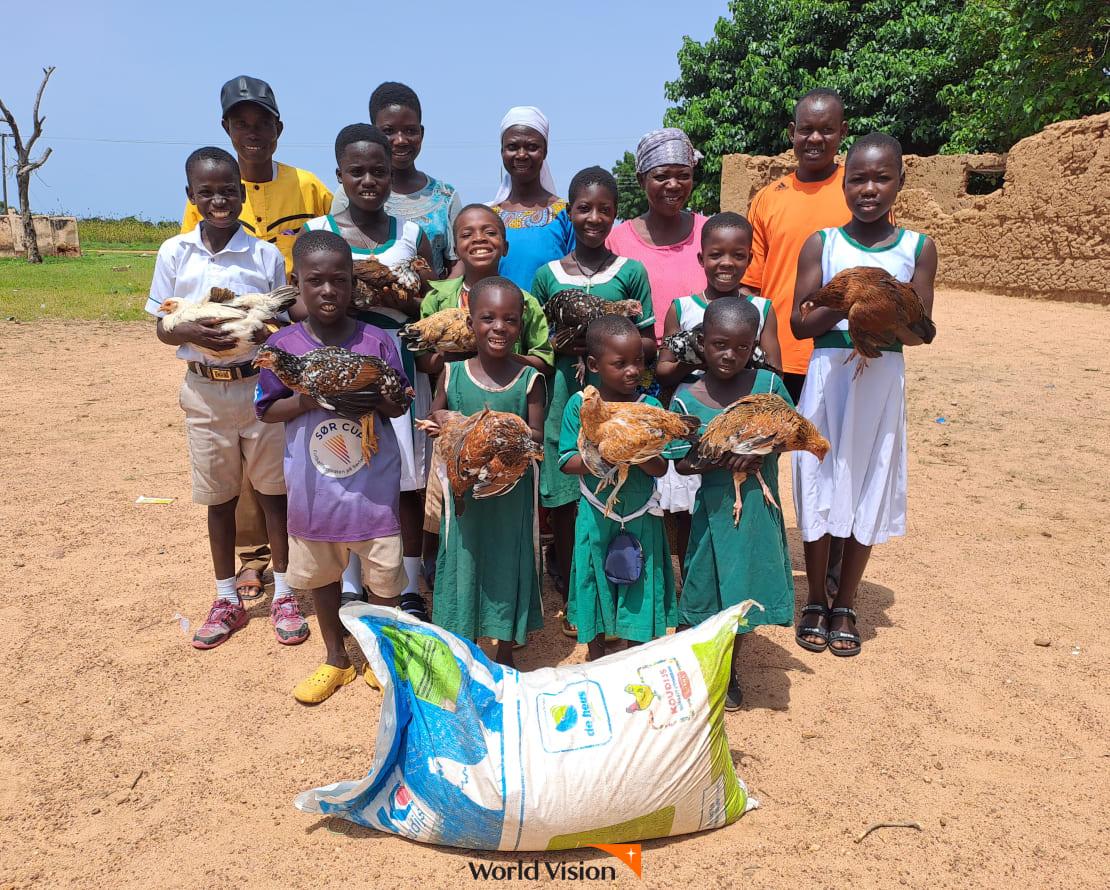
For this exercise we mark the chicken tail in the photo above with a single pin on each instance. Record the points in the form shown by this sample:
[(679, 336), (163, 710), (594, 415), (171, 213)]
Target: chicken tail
[(286, 297)]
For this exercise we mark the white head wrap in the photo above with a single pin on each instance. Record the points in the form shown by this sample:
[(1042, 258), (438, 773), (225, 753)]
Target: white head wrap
[(531, 117), (666, 146)]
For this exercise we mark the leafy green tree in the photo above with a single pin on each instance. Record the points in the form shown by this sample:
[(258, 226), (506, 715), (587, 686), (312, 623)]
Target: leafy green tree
[(631, 202), (1049, 62)]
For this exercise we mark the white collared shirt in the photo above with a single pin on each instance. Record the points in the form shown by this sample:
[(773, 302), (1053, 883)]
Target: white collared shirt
[(187, 270)]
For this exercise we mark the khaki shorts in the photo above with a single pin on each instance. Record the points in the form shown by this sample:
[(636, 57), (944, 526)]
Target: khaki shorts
[(226, 440), (315, 564), (433, 498)]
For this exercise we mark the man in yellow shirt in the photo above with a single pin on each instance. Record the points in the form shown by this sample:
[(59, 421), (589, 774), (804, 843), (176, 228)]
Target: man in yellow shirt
[(279, 198), (787, 211)]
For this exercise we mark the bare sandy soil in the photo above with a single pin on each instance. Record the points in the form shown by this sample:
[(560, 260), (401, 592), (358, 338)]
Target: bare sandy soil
[(129, 759)]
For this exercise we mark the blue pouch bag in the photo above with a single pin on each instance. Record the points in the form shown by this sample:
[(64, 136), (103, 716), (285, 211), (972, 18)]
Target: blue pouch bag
[(624, 561)]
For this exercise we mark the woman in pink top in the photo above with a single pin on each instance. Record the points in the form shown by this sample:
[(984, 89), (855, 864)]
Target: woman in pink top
[(667, 238)]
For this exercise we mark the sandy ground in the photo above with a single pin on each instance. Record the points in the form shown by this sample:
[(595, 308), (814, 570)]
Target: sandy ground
[(127, 758)]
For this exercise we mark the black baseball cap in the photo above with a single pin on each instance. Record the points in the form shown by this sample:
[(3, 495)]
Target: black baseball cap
[(248, 89)]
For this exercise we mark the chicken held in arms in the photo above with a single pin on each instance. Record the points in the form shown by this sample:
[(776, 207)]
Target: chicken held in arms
[(686, 346), (331, 371), (880, 308), (243, 317), (570, 312), (615, 436), (447, 331), (487, 453), (756, 424), (376, 284)]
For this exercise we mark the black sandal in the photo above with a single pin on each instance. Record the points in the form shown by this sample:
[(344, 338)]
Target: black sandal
[(413, 604), (812, 631), (836, 636), (734, 695)]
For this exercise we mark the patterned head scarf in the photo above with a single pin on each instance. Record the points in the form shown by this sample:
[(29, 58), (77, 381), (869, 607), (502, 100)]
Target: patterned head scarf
[(667, 146), (531, 117)]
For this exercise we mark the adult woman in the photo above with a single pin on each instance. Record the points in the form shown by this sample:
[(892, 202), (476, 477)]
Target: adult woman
[(535, 218), (414, 195), (667, 238)]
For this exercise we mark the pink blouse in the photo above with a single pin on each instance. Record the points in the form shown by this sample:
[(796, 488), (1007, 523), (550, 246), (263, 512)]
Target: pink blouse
[(673, 271)]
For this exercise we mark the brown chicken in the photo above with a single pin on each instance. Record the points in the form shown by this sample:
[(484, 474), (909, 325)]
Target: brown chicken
[(570, 312), (375, 281), (331, 371), (880, 310), (444, 331), (756, 424), (486, 453), (616, 436)]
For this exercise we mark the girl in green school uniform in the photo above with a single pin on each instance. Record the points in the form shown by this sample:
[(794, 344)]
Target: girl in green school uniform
[(643, 609), (488, 567), (725, 564), (594, 268)]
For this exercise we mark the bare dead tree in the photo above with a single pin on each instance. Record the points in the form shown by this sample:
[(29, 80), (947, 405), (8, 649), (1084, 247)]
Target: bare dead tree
[(24, 166)]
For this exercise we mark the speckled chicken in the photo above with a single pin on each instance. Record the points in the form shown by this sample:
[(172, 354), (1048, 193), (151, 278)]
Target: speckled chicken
[(615, 436), (757, 424), (444, 331), (486, 453), (243, 317), (375, 281), (332, 370), (570, 312), (881, 309), (686, 346)]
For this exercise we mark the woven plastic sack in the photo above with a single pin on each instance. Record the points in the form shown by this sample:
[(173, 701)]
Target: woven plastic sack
[(470, 754)]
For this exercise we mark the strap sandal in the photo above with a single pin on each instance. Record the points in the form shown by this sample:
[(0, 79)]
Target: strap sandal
[(806, 630), (249, 588), (836, 636), (413, 604)]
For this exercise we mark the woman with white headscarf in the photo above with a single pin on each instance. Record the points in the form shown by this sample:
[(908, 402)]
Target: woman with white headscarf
[(667, 238), (537, 227)]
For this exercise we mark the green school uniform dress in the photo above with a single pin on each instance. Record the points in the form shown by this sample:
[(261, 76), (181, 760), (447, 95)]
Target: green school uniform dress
[(641, 611), (623, 279), (726, 565), (488, 567)]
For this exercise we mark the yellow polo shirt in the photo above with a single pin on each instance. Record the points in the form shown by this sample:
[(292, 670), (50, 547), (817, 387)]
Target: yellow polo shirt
[(277, 210)]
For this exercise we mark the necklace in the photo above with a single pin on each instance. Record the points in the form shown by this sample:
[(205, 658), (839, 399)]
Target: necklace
[(589, 276)]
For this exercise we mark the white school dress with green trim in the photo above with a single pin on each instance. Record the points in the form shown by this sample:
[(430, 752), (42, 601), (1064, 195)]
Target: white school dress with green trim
[(400, 246), (859, 489)]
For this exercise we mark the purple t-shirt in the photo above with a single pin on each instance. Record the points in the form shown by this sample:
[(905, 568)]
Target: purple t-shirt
[(333, 494)]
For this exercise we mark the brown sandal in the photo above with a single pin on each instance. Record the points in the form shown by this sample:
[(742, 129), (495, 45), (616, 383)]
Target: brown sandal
[(249, 584)]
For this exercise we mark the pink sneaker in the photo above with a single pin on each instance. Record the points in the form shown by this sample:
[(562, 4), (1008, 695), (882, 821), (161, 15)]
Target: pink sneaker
[(289, 624), (224, 618)]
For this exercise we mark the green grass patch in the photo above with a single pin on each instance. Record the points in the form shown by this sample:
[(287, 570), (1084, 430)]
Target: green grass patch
[(109, 287), (129, 233)]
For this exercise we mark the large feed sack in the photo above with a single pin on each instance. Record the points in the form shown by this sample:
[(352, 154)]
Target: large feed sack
[(470, 754)]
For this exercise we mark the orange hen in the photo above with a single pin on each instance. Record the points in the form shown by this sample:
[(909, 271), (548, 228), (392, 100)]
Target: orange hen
[(881, 310)]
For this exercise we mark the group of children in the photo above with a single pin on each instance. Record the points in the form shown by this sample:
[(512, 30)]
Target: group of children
[(340, 528)]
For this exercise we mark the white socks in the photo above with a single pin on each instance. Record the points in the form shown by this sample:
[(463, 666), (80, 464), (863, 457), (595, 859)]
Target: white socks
[(281, 586), (352, 576), (412, 571), (225, 589)]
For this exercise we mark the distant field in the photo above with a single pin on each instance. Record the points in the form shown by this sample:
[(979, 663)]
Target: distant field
[(108, 287), (129, 233)]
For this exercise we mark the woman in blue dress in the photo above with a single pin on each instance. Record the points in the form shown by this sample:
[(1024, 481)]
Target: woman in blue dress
[(535, 217)]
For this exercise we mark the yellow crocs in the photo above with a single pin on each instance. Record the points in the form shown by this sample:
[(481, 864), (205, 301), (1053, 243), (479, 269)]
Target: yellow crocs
[(371, 680), (323, 682)]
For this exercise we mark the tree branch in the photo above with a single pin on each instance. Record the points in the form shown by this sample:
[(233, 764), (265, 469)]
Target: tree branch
[(32, 166), (10, 118), (38, 121)]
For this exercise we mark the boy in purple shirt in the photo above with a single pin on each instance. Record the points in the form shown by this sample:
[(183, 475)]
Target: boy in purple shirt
[(337, 503)]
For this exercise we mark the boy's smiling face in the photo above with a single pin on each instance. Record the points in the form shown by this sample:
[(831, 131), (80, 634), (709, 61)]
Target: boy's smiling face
[(495, 318), (324, 278), (725, 256), (816, 134), (480, 240), (217, 192), (364, 171), (254, 132)]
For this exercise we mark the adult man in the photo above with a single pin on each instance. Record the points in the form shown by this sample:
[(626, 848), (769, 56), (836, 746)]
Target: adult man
[(786, 212)]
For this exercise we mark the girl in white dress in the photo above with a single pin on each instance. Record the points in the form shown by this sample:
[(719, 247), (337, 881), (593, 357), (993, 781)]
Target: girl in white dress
[(363, 158), (858, 492)]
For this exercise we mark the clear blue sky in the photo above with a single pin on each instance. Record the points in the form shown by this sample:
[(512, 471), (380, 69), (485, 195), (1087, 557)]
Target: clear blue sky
[(137, 84)]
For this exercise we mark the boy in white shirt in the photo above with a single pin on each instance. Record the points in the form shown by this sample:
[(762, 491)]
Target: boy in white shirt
[(224, 436)]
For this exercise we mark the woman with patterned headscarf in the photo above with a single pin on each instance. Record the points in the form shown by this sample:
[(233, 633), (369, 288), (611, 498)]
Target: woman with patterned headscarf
[(537, 227), (667, 238)]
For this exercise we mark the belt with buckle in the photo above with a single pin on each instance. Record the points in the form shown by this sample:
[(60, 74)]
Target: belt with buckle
[(223, 374)]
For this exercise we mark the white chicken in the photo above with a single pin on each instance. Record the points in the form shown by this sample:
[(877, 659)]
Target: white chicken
[(242, 316)]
